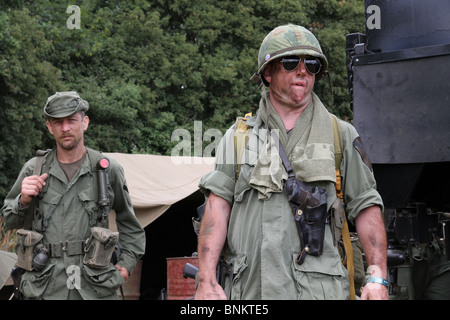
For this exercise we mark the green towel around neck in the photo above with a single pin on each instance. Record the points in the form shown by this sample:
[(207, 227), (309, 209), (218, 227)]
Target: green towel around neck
[(309, 147)]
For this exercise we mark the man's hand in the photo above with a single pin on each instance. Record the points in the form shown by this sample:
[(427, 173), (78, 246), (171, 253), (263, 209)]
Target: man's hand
[(123, 272), (374, 291), (31, 187), (209, 290)]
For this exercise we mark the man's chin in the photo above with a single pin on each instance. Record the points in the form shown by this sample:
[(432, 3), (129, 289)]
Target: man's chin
[(67, 146)]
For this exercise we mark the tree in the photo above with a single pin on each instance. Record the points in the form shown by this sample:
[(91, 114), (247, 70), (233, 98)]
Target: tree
[(149, 67), (26, 77)]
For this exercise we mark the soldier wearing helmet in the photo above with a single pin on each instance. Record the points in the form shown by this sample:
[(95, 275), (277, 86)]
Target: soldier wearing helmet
[(249, 215)]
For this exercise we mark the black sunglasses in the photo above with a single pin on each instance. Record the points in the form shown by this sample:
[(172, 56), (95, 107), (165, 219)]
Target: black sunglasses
[(312, 65)]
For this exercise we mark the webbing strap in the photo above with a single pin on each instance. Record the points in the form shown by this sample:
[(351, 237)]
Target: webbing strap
[(337, 141), (40, 155), (339, 192), (241, 136), (349, 254)]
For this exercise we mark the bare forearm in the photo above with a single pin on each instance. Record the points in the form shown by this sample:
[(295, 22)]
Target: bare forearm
[(211, 240), (372, 235)]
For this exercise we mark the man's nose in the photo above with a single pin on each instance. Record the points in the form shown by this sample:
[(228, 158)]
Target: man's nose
[(65, 125), (301, 69)]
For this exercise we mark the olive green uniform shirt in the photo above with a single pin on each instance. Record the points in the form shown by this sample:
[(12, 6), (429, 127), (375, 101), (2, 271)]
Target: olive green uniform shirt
[(262, 241), (66, 212)]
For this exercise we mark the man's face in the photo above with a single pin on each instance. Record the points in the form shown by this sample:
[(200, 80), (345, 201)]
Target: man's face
[(291, 89), (68, 132)]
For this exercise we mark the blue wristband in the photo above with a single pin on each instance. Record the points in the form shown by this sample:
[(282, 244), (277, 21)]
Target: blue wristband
[(379, 280)]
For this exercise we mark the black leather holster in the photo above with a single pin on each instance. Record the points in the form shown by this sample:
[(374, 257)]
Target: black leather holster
[(309, 207)]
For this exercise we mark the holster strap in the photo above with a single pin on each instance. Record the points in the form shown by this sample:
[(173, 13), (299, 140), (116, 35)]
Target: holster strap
[(70, 248)]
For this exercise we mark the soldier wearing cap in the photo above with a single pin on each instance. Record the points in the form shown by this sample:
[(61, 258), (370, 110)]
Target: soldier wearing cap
[(67, 210), (250, 216)]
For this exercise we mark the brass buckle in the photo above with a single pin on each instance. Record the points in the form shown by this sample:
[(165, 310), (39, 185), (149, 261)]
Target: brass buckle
[(63, 246)]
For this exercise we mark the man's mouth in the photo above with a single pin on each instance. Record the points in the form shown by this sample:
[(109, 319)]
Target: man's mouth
[(300, 83)]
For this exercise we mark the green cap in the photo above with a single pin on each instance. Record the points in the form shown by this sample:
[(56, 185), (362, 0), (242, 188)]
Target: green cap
[(289, 40), (64, 104)]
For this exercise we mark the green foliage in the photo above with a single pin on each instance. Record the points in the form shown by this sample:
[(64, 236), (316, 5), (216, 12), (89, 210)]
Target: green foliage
[(149, 67), (333, 20), (26, 77)]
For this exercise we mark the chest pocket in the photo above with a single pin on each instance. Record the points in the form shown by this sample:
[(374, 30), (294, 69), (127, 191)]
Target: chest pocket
[(89, 202), (48, 202)]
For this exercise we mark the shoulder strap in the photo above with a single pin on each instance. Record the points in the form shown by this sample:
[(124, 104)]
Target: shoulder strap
[(338, 153), (337, 141), (241, 136), (40, 156), (96, 156)]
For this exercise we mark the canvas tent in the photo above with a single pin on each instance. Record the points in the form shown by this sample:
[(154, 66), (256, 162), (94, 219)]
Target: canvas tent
[(7, 262), (157, 182)]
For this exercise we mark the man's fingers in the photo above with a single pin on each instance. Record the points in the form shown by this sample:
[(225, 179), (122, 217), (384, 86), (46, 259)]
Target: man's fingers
[(38, 181), (41, 180), (30, 190), (32, 186)]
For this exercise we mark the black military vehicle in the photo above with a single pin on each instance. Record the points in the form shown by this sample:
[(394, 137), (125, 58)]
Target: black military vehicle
[(399, 81)]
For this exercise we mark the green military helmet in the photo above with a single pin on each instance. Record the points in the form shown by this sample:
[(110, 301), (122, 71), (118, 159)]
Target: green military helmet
[(290, 40), (64, 104)]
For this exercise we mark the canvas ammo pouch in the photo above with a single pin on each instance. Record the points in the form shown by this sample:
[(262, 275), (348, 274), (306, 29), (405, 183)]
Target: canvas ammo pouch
[(27, 242), (309, 207), (337, 216), (100, 247)]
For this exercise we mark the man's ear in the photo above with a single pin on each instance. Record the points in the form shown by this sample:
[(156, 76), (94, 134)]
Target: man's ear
[(85, 123), (267, 74), (49, 127)]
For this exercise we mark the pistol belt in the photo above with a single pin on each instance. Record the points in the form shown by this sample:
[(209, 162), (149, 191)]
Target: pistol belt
[(70, 248)]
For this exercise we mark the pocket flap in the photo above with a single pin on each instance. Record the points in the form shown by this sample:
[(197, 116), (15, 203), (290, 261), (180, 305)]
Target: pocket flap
[(338, 213), (28, 238), (86, 195), (319, 264), (337, 220), (52, 198), (105, 235)]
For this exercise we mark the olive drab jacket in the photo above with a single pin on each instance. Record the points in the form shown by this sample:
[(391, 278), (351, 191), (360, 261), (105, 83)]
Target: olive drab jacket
[(66, 212), (262, 240)]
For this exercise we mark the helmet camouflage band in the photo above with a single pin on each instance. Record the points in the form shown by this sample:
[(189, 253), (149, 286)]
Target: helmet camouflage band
[(290, 40)]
